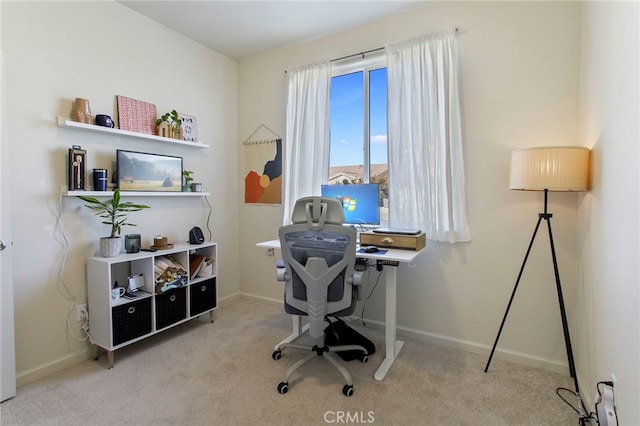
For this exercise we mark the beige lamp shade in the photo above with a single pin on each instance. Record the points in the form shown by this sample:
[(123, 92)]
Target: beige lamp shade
[(555, 168)]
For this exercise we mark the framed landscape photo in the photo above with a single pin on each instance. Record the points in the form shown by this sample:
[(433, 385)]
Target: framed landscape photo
[(145, 172), (189, 127)]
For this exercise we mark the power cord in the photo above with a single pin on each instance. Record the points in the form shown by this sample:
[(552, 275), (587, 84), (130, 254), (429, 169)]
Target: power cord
[(583, 420), (366, 300), (61, 283), (209, 217)]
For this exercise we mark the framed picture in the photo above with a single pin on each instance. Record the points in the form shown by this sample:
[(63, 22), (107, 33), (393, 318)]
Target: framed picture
[(141, 171), (189, 127), (136, 116), (77, 168)]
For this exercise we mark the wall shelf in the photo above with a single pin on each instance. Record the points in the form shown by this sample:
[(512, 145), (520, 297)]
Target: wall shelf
[(70, 124), (134, 194)]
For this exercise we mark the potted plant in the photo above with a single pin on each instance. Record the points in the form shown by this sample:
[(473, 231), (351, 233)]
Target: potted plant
[(114, 213), (186, 180), (170, 125)]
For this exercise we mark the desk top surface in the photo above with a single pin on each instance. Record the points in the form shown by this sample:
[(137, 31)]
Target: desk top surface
[(398, 255)]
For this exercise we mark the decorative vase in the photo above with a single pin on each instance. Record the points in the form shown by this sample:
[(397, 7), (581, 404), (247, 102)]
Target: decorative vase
[(176, 133), (110, 247), (81, 111)]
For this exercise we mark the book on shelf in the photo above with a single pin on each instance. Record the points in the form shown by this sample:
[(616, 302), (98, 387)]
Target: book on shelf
[(195, 263)]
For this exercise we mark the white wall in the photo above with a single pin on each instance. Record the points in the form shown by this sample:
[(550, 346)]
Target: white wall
[(55, 52), (609, 297), (520, 73)]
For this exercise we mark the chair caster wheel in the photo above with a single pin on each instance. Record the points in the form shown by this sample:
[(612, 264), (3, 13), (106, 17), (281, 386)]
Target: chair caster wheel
[(364, 359), (347, 390), (284, 387), (276, 355)]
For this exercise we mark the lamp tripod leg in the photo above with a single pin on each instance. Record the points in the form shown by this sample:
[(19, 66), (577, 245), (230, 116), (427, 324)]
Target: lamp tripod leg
[(565, 323), (513, 293)]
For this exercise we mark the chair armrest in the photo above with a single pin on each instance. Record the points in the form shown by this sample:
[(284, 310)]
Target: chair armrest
[(280, 270), (358, 277)]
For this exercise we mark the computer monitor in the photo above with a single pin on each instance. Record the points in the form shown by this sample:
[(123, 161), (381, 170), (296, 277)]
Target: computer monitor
[(361, 202)]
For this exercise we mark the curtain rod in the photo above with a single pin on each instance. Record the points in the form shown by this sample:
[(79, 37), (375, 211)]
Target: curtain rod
[(457, 31), (358, 54)]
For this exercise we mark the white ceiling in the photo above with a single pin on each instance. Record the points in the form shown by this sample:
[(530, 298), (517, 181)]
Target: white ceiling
[(240, 29)]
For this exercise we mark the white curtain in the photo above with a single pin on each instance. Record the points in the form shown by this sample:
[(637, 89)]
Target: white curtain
[(307, 141), (426, 169)]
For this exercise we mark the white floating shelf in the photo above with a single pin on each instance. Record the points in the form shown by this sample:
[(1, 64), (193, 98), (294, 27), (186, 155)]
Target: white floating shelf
[(134, 194), (70, 124)]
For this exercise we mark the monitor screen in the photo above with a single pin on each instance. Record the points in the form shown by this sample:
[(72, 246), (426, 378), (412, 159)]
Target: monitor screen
[(361, 202)]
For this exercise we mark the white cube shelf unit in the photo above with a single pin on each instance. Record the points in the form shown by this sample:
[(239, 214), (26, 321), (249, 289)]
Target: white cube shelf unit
[(115, 324)]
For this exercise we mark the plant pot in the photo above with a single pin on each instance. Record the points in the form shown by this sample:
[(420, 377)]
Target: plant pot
[(110, 246), (177, 133)]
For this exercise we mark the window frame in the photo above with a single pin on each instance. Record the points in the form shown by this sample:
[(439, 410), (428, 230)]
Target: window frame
[(369, 62), (366, 64)]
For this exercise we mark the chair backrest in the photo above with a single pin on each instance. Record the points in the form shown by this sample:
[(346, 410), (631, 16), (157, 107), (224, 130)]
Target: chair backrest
[(319, 256)]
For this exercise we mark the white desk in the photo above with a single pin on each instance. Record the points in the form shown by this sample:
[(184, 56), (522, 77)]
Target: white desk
[(392, 345)]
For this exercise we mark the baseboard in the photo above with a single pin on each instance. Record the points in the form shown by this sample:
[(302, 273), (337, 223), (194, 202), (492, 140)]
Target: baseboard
[(480, 349), (227, 299), (66, 361), (262, 299), (28, 376), (451, 342), (251, 297)]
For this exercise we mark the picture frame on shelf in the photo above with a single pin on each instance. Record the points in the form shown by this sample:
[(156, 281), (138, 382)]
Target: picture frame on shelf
[(77, 168), (148, 172), (189, 127), (136, 116)]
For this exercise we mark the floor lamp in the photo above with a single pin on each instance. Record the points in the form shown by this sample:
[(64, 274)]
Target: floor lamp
[(547, 169)]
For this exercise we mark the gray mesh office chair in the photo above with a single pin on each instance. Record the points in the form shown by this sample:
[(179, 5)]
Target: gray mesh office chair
[(320, 280)]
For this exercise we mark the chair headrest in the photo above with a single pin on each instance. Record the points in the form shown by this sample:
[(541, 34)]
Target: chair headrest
[(318, 211)]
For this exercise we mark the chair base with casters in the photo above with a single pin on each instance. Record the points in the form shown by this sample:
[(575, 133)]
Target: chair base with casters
[(325, 351)]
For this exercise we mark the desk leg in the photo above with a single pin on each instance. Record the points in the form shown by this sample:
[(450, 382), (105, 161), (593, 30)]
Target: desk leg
[(392, 346), (295, 332)]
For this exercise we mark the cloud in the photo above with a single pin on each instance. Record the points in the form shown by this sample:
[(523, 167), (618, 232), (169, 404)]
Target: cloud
[(379, 139)]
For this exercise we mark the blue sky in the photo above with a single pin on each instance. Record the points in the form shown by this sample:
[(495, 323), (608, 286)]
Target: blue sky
[(347, 119)]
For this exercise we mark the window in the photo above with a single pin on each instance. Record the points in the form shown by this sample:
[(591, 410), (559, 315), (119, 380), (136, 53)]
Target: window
[(358, 152)]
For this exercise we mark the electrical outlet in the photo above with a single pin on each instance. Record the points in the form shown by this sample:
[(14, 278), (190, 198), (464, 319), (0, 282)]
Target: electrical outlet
[(81, 313)]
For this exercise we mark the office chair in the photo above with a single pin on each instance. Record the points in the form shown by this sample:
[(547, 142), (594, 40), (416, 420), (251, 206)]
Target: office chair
[(320, 280)]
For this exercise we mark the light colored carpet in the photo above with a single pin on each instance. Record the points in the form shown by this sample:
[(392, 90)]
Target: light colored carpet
[(222, 374)]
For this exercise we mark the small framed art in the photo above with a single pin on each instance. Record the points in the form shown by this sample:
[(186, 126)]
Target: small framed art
[(136, 116), (189, 127), (77, 168)]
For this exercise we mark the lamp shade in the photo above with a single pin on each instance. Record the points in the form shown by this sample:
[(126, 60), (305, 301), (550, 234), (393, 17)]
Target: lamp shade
[(555, 168)]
